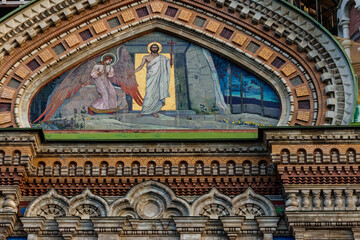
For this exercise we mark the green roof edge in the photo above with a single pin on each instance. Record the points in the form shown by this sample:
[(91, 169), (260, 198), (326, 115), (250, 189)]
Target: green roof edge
[(16, 10), (338, 44), (120, 136)]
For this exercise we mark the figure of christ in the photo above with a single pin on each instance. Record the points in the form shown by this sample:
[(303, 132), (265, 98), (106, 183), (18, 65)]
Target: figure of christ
[(157, 81), (107, 98)]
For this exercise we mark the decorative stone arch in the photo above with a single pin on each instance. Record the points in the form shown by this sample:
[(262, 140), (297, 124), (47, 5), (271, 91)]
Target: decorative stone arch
[(213, 204), (151, 200), (49, 206), (251, 205), (87, 204), (122, 208), (344, 18), (328, 69)]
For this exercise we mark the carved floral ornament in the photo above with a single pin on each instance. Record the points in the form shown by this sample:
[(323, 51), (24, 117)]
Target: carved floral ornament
[(302, 36), (150, 200)]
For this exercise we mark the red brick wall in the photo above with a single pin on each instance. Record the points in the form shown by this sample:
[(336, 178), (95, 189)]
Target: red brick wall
[(354, 23)]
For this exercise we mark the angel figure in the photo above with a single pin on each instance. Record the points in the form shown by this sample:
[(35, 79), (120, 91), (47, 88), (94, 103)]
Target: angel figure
[(104, 75)]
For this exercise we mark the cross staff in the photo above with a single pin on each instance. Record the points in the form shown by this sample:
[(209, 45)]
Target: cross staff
[(171, 53)]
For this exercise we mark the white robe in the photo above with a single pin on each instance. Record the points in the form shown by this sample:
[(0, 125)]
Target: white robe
[(157, 85)]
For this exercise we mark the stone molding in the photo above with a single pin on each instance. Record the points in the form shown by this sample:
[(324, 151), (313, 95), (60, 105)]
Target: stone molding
[(178, 227)]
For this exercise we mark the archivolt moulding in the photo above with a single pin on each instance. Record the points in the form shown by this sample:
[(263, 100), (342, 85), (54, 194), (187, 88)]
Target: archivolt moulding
[(213, 204), (50, 205), (251, 205), (88, 205), (151, 200)]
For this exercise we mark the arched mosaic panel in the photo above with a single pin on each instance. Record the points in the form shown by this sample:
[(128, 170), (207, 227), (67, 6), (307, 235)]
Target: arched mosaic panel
[(302, 62), (182, 86)]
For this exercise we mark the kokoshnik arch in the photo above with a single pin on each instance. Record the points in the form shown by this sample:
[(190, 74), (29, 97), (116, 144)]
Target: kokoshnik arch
[(224, 66), (297, 58)]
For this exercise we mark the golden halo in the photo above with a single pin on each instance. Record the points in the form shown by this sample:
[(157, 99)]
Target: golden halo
[(152, 43), (109, 54)]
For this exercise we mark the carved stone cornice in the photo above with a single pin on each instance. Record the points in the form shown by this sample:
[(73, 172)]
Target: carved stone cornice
[(33, 225), (108, 225), (325, 220)]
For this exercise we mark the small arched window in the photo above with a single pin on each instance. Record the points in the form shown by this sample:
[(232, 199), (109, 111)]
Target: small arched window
[(230, 168), (247, 168), (151, 168), (285, 156), (88, 169), (104, 169), (135, 169), (334, 155), (215, 168), (16, 157), (183, 166), (56, 169), (263, 168), (318, 156), (301, 156), (72, 169), (167, 168), (2, 157), (199, 166), (351, 156), (120, 169), (41, 169)]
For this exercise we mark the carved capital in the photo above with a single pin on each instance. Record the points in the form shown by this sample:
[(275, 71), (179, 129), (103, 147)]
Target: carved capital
[(32, 225), (232, 226), (68, 226), (268, 226)]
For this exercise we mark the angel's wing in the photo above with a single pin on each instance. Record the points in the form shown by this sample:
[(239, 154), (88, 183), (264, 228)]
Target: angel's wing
[(77, 78), (125, 76)]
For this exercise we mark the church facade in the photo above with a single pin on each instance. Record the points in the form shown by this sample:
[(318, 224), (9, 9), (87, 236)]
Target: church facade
[(255, 137)]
